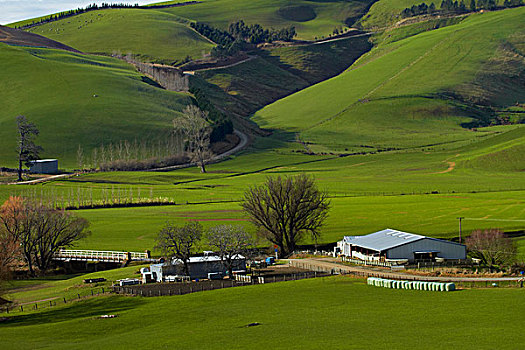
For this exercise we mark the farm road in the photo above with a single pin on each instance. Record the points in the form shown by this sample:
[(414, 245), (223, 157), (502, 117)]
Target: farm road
[(242, 143), (333, 265)]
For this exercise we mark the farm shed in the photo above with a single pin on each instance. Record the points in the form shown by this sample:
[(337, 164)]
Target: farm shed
[(392, 244), (200, 267), (44, 166)]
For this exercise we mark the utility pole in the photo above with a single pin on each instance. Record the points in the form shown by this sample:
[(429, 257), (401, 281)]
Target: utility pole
[(460, 218)]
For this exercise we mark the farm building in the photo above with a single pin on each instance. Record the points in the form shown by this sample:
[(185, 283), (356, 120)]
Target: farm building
[(392, 244), (208, 266), (44, 166)]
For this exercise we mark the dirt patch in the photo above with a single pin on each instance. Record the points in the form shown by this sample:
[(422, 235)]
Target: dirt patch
[(451, 166), (13, 36)]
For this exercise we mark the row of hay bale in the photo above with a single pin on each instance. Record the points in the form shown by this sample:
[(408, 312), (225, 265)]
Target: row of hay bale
[(417, 285)]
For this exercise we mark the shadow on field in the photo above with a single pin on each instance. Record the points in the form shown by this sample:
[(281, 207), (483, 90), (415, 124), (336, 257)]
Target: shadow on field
[(89, 308)]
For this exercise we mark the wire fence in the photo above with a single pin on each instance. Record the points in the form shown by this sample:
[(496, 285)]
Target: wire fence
[(54, 301)]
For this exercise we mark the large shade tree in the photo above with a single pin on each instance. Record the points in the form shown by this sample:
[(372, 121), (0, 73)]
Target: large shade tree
[(285, 209)]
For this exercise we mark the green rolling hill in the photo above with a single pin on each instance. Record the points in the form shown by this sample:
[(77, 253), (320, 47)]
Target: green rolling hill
[(77, 99), (151, 35), (412, 93), (310, 18)]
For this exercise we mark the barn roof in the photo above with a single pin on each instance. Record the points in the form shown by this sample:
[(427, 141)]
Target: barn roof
[(383, 240)]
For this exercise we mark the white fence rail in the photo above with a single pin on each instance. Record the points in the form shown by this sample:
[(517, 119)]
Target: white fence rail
[(99, 255)]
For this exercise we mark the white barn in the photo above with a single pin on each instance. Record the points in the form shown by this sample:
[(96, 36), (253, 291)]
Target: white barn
[(392, 244)]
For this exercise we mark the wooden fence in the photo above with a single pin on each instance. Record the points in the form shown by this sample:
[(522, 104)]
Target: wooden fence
[(181, 288)]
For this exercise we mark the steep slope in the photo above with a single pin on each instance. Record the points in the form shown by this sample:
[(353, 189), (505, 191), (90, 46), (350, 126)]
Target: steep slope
[(19, 37), (77, 100), (278, 72), (408, 94)]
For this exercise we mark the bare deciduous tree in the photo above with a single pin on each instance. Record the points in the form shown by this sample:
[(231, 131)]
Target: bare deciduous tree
[(196, 130), (229, 242), (9, 243), (180, 241), (492, 247), (40, 231), (285, 209), (27, 150)]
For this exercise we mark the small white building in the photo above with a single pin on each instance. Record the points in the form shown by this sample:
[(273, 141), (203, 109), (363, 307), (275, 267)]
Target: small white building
[(201, 267), (392, 245), (44, 166)]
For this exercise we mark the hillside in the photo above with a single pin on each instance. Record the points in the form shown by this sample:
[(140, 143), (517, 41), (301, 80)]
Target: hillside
[(277, 72), (310, 18), (150, 34), (412, 93), (163, 34), (77, 100)]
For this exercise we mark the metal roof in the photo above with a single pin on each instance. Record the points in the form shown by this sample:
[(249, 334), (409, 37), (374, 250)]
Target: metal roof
[(202, 259), (44, 160), (383, 240)]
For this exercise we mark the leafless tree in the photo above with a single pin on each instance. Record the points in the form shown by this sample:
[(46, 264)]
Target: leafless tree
[(492, 246), (27, 150), (180, 241), (9, 243), (40, 231), (196, 129), (229, 242), (285, 209)]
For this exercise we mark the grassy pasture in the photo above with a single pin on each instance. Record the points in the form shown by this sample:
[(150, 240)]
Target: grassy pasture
[(334, 312), (369, 192), (149, 34), (433, 215), (55, 89)]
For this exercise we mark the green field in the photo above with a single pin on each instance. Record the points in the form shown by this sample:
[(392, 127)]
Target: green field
[(56, 90), (335, 312), (151, 35)]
